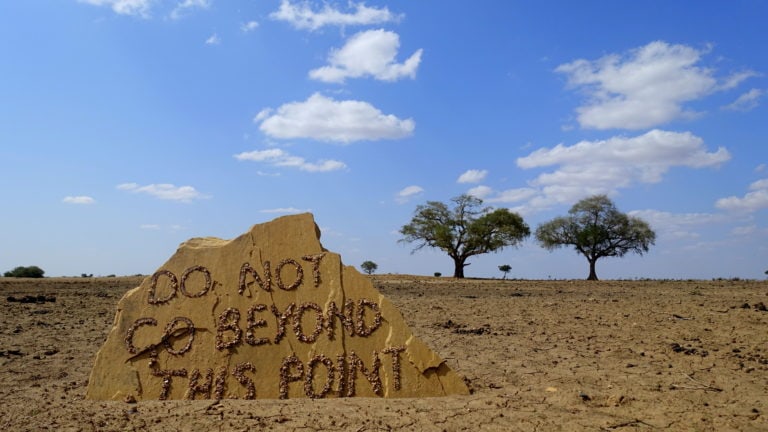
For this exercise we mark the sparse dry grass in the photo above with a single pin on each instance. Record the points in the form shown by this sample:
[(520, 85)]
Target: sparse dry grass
[(538, 355)]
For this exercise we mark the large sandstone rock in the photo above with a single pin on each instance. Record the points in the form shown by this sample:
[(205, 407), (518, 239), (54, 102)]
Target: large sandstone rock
[(270, 314)]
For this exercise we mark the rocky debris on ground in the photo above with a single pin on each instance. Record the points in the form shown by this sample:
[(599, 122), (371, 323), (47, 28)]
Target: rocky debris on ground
[(38, 299)]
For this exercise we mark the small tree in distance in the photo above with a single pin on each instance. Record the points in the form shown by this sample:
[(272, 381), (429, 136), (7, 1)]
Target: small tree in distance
[(596, 229), (369, 267), (505, 268), (464, 231)]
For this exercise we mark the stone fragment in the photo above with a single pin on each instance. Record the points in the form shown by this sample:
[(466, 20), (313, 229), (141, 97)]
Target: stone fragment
[(269, 314)]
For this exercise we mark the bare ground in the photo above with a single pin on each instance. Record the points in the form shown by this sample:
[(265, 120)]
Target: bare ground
[(537, 355)]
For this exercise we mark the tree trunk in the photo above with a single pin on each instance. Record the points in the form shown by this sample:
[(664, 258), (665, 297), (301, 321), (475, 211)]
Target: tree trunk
[(592, 273), (458, 267)]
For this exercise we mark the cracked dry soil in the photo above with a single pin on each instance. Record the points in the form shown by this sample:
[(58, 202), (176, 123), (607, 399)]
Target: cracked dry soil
[(537, 355)]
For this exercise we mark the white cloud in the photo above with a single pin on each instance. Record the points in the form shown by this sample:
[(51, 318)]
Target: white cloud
[(284, 210), (677, 225), (153, 227), (368, 53), (182, 7), (472, 176), (744, 230), (263, 114), (513, 195), (751, 202), (747, 101), (737, 78), (142, 8), (164, 191), (325, 119), (249, 26), (644, 88), (707, 246), (124, 7), (281, 158), (267, 174), (127, 186), (594, 167), (481, 191), (760, 168), (261, 155), (301, 15), (658, 218), (408, 192), (81, 199), (214, 39), (487, 194)]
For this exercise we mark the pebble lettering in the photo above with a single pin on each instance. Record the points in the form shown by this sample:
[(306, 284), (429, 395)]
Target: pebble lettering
[(265, 324)]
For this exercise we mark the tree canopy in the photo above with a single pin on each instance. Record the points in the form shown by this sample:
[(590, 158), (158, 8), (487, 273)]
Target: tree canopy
[(369, 267), (596, 229), (466, 230), (25, 272), (505, 268)]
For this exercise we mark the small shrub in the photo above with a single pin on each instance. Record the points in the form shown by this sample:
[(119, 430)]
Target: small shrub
[(438, 274)]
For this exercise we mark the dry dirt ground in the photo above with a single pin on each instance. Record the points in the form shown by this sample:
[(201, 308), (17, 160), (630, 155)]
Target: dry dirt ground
[(537, 355)]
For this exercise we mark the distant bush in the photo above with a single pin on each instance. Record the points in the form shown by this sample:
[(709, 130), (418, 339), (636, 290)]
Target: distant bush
[(25, 272), (438, 274), (84, 275)]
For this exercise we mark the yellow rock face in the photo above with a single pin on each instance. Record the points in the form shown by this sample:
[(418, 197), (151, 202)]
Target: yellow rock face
[(270, 314)]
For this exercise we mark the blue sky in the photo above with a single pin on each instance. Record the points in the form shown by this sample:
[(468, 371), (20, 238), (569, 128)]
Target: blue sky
[(129, 126)]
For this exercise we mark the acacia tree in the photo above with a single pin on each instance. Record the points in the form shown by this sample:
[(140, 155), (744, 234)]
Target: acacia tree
[(464, 231), (596, 229), (505, 268), (369, 267)]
